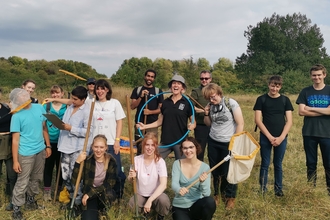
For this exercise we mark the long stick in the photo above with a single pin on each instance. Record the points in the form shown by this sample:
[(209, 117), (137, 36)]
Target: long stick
[(84, 150), (197, 103), (57, 178), (18, 108), (210, 170), (72, 74), (132, 152)]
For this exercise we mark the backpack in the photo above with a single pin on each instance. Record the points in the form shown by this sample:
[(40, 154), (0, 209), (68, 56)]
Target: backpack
[(140, 87), (226, 101), (263, 100), (48, 107)]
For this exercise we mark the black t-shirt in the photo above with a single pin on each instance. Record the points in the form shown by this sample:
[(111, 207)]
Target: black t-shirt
[(5, 121), (152, 105), (175, 119), (273, 112), (315, 126)]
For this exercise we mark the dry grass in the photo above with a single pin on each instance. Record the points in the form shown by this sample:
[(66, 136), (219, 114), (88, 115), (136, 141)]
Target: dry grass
[(301, 201)]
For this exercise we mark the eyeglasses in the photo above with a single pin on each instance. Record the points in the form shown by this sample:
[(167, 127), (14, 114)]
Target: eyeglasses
[(212, 97), (204, 78), (187, 148)]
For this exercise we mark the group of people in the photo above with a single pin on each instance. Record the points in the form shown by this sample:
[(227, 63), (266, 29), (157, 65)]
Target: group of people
[(33, 151)]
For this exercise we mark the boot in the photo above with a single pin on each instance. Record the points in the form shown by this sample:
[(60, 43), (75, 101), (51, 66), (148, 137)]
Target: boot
[(230, 203), (216, 199), (47, 195)]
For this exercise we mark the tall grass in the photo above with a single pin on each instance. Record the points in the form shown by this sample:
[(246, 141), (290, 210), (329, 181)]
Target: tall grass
[(301, 200)]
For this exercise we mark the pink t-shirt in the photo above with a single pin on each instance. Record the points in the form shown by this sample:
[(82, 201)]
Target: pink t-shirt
[(99, 174), (148, 176)]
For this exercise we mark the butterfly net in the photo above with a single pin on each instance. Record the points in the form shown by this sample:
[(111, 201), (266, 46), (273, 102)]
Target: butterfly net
[(243, 149), (18, 97)]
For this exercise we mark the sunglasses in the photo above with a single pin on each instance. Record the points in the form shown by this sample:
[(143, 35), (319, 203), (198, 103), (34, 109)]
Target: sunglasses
[(204, 78)]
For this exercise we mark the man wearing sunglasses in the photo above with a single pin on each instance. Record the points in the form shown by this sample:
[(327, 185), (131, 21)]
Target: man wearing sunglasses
[(201, 131)]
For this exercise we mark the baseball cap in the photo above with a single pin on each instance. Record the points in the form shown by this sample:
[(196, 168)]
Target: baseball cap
[(91, 80)]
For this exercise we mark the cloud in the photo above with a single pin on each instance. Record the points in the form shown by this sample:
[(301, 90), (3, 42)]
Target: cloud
[(103, 33)]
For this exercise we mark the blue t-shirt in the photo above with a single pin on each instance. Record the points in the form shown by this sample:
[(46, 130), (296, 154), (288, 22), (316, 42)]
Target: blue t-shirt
[(28, 122), (53, 131)]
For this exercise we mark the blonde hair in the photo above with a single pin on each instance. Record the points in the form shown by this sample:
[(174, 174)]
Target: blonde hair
[(154, 138), (55, 88), (102, 137), (210, 89)]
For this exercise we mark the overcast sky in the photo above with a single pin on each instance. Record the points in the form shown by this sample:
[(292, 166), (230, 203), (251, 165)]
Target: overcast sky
[(103, 33)]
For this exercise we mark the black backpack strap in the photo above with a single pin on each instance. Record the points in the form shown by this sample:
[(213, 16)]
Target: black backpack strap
[(48, 107)]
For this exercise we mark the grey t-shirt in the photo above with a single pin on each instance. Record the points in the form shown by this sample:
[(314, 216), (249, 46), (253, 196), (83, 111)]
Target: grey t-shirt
[(223, 125)]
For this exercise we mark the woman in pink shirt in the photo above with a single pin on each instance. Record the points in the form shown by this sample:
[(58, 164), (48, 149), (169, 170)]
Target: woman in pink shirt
[(151, 173)]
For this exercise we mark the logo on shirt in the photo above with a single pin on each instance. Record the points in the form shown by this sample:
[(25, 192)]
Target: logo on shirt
[(181, 106), (320, 101)]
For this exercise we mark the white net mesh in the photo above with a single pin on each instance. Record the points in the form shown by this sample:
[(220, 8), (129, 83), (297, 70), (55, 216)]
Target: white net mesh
[(243, 149), (18, 97)]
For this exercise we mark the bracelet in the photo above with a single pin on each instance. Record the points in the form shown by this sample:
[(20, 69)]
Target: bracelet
[(117, 139), (49, 147), (206, 114)]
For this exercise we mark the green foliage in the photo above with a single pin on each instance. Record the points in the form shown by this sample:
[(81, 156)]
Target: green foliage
[(14, 70), (280, 44)]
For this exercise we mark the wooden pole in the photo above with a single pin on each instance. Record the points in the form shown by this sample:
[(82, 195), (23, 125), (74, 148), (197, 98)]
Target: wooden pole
[(197, 103), (209, 171), (132, 152), (84, 150)]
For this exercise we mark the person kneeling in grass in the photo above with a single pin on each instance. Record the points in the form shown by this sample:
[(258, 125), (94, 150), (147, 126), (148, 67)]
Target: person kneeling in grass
[(195, 202), (99, 177), (151, 173)]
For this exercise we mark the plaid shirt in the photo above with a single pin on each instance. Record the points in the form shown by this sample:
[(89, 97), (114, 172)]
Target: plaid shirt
[(88, 175)]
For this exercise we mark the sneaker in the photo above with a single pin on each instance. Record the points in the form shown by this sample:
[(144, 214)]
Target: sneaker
[(279, 193), (47, 195), (9, 207), (17, 215), (33, 206)]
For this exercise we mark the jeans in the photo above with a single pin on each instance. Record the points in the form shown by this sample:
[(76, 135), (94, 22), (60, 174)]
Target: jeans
[(94, 205), (310, 147), (119, 185), (217, 151), (265, 153), (203, 208)]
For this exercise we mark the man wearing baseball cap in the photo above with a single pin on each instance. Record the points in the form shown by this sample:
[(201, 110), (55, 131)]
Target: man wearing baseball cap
[(90, 87)]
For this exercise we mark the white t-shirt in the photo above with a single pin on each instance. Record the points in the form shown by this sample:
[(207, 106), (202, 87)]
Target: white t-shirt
[(104, 118), (148, 176)]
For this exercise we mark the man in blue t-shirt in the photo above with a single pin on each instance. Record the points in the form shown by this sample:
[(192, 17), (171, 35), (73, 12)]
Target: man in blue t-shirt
[(29, 134), (314, 105)]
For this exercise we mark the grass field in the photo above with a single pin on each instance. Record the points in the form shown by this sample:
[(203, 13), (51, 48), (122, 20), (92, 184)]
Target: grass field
[(301, 200)]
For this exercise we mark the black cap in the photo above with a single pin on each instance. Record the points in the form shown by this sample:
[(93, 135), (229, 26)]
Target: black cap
[(91, 80)]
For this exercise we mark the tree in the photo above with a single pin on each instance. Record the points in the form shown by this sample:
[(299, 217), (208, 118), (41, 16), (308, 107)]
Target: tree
[(279, 44)]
